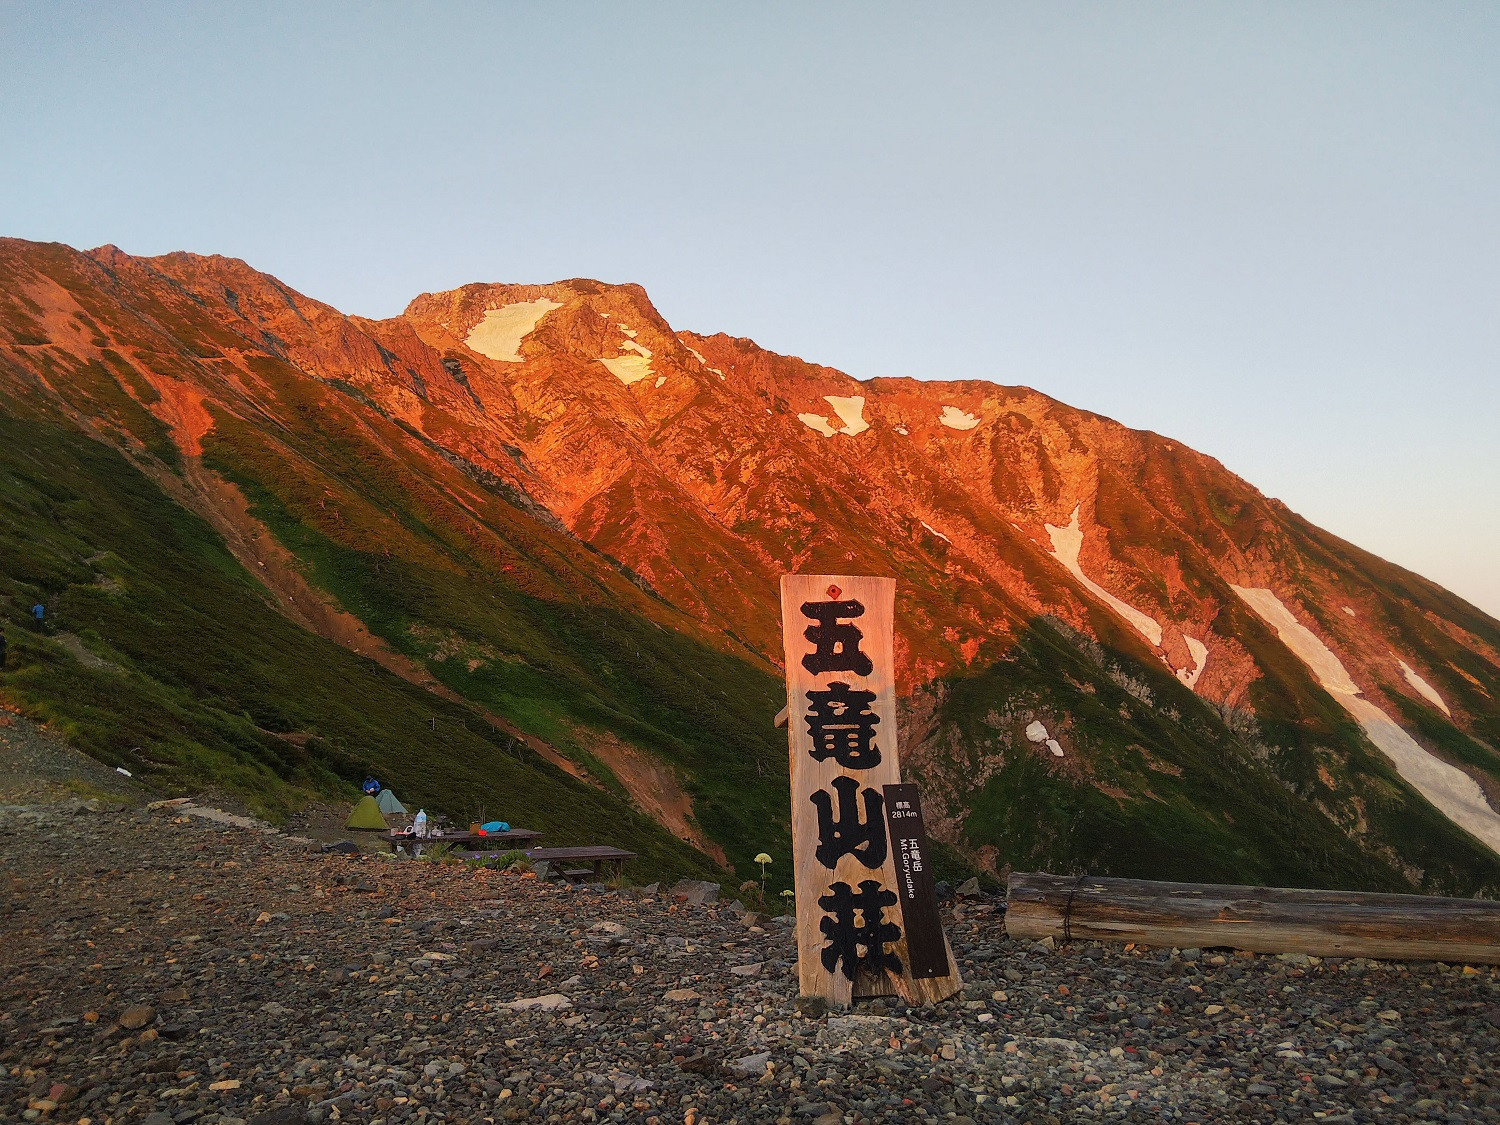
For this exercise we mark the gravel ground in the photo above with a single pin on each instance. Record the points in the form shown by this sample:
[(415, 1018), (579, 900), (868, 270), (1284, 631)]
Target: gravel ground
[(38, 766), (163, 968)]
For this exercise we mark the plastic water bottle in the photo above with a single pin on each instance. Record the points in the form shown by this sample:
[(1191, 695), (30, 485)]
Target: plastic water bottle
[(419, 825)]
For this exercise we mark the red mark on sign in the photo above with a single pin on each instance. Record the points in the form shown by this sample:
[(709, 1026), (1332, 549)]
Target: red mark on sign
[(834, 591)]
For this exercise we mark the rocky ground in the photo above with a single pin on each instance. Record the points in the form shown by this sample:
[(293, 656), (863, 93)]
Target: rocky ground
[(164, 968)]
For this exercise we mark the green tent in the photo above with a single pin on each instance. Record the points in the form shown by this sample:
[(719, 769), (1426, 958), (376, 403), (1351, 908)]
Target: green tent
[(388, 802), (366, 815)]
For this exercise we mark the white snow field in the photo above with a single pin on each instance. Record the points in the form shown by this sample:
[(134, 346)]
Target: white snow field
[(633, 366), (500, 333), (1199, 651), (697, 355), (935, 531), (1424, 687), (816, 422), (1066, 543), (1349, 609), (851, 410), (956, 419), (1451, 791)]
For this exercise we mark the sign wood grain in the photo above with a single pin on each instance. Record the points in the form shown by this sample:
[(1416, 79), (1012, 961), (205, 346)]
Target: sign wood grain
[(841, 734)]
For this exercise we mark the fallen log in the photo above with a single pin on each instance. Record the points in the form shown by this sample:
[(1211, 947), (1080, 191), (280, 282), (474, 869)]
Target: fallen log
[(1259, 919)]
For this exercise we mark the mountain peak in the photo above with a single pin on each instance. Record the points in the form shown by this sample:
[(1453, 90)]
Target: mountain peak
[(563, 440)]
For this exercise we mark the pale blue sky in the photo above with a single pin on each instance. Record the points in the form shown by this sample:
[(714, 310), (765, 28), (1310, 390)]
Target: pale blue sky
[(1269, 230)]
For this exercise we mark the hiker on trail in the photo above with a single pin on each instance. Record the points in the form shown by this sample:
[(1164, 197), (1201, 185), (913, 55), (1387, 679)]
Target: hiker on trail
[(38, 612), (371, 787)]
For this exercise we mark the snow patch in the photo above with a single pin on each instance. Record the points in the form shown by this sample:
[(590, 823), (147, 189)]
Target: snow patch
[(935, 531), (631, 332), (1066, 544), (902, 430), (816, 422), (630, 368), (1454, 793), (1303, 642), (956, 419), (696, 354), (1349, 609), (1424, 687), (1199, 651), (1037, 732), (500, 333), (851, 411), (660, 379)]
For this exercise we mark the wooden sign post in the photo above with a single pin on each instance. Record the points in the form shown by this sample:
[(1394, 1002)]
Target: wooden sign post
[(860, 904)]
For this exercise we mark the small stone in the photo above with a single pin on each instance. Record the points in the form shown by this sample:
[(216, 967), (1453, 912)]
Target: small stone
[(552, 1002), (697, 891), (679, 995), (224, 1084), (750, 970), (811, 1007), (751, 1066), (136, 1016), (281, 1115)]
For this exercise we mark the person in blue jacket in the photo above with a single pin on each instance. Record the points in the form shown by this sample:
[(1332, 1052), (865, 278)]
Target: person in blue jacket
[(372, 787)]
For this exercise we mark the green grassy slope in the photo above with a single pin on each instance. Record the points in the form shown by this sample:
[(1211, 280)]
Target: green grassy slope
[(510, 613), (202, 674)]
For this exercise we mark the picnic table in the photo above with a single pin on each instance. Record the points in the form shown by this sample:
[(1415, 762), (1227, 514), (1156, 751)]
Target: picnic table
[(596, 856), (490, 842)]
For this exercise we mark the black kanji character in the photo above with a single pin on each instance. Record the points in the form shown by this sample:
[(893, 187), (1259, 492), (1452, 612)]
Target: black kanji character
[(837, 642), (843, 726), (846, 939), (846, 835)]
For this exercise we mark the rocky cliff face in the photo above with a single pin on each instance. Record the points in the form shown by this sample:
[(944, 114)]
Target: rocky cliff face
[(680, 475)]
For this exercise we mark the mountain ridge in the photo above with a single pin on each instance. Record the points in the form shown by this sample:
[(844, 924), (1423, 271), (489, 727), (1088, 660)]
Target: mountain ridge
[(697, 468)]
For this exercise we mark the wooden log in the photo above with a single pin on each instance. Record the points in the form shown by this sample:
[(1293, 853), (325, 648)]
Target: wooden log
[(1259, 919)]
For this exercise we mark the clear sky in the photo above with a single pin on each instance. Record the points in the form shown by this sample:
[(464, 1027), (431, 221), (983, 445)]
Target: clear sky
[(1271, 230)]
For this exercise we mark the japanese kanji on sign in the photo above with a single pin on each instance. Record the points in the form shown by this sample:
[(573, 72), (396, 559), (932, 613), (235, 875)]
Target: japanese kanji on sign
[(866, 918)]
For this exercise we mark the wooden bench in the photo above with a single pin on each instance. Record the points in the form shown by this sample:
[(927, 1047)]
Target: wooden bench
[(595, 856), (470, 845)]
